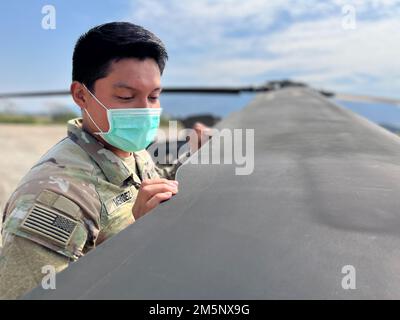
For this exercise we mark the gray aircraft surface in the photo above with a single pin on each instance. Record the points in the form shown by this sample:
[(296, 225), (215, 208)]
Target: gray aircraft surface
[(318, 217)]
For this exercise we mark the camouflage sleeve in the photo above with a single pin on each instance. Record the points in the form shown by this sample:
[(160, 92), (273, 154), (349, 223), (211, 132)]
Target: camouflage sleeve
[(21, 266), (168, 171)]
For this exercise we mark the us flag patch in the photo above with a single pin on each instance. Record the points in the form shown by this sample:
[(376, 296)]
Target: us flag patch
[(50, 224)]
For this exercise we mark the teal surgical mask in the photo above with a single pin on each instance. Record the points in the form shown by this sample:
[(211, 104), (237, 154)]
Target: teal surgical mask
[(130, 129)]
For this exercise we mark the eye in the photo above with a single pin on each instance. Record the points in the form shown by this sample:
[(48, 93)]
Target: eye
[(125, 98), (153, 98)]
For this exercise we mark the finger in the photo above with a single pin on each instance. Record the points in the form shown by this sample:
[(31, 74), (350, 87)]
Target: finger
[(201, 129), (157, 198), (151, 190), (147, 182), (199, 126)]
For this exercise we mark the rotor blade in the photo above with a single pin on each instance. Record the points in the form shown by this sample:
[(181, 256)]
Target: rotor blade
[(367, 99), (34, 94), (216, 90), (223, 90)]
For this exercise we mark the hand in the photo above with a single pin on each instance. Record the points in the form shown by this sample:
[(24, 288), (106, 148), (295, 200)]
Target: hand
[(203, 133), (151, 193)]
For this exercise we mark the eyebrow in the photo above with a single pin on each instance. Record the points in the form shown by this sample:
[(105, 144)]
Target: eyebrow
[(123, 85)]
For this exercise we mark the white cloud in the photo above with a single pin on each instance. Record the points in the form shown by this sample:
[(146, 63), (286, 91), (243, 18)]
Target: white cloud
[(239, 42)]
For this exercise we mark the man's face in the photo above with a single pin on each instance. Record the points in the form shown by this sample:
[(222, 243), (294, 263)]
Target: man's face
[(130, 83)]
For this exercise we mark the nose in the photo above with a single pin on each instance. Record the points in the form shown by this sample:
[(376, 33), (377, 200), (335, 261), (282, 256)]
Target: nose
[(143, 103)]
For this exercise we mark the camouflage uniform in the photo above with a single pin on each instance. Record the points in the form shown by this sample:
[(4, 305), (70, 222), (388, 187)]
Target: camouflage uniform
[(78, 195)]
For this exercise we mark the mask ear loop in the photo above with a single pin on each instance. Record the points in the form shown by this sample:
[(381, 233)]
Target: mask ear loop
[(97, 100)]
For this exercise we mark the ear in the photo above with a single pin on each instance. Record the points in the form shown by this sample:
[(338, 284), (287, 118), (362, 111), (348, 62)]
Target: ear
[(79, 94)]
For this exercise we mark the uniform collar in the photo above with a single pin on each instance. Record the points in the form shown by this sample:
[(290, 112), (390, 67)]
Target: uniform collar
[(113, 167)]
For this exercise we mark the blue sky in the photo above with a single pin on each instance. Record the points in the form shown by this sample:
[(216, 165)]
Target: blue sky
[(223, 42)]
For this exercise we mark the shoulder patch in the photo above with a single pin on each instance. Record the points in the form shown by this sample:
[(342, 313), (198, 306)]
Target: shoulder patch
[(50, 224), (59, 202)]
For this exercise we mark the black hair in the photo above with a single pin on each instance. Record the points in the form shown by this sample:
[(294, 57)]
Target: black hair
[(96, 49)]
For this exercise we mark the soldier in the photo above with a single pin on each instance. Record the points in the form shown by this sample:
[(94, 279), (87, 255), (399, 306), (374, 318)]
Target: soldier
[(99, 179)]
